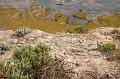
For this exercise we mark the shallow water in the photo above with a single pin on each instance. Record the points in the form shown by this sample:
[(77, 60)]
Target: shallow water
[(91, 6), (69, 8)]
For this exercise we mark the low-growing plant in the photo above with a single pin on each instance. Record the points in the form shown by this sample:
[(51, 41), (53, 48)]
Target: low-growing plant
[(107, 48), (3, 48), (80, 30), (35, 63), (21, 31), (30, 59)]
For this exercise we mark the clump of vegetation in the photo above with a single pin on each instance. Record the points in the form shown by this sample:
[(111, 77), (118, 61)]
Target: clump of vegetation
[(21, 31), (80, 15), (108, 48), (81, 30), (3, 48), (35, 63), (29, 60)]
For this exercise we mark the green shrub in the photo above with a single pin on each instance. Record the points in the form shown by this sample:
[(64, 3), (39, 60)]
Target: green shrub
[(35, 63), (80, 30), (17, 74), (3, 48), (29, 58), (108, 48), (21, 31)]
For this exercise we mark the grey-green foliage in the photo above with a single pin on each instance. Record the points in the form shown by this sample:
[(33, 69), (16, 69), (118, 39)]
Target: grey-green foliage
[(21, 31), (27, 59), (30, 62), (17, 74), (3, 48)]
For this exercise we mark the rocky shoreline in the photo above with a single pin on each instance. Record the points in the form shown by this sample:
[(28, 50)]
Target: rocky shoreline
[(79, 51)]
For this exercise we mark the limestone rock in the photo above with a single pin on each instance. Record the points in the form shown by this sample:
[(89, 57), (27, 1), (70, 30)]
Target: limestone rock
[(90, 44), (79, 51)]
